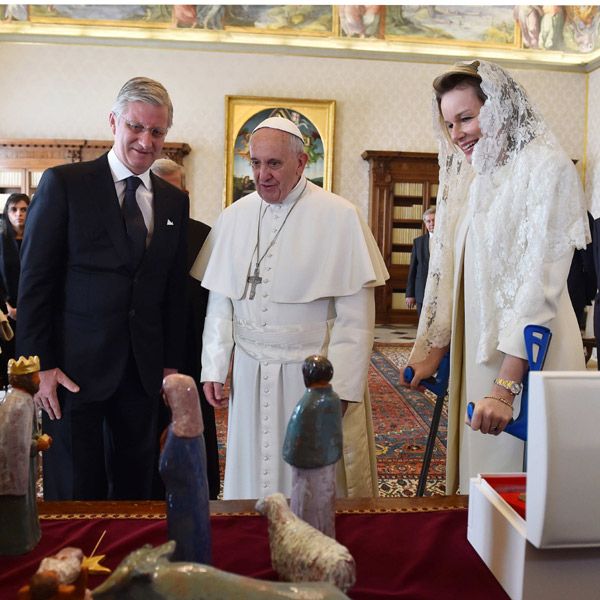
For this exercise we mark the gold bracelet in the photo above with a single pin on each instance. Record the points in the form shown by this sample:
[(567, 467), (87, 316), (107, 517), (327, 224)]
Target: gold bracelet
[(500, 400)]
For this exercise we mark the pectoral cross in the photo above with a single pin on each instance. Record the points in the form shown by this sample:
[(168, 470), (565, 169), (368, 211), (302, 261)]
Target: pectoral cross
[(253, 280)]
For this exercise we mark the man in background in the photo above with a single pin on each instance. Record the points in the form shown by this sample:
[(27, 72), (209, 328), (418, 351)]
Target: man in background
[(101, 294), (174, 173), (581, 281), (291, 271), (419, 263)]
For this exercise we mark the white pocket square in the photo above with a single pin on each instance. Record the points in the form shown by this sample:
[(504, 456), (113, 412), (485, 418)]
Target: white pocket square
[(169, 222)]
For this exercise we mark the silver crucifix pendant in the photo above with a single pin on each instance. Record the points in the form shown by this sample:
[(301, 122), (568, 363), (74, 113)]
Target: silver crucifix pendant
[(253, 280)]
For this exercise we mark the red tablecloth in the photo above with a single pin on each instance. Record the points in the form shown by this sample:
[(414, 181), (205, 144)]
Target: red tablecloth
[(416, 555)]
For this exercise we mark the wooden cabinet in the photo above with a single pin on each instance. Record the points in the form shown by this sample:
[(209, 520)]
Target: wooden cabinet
[(22, 161), (402, 186)]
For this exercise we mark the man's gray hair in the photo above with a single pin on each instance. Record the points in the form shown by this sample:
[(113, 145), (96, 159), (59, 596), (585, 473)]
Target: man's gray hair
[(143, 89), (429, 211), (166, 166)]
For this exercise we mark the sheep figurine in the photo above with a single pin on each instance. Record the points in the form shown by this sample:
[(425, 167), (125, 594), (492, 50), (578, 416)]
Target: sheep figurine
[(299, 552)]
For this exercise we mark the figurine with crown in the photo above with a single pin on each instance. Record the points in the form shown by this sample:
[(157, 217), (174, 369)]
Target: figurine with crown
[(20, 441)]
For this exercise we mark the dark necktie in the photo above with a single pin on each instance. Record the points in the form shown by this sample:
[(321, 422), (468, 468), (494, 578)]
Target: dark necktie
[(134, 222)]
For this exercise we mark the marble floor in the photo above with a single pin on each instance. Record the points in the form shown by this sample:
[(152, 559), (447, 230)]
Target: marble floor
[(395, 333)]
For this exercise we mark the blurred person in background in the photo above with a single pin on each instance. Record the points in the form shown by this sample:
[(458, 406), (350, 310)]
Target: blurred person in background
[(11, 232)]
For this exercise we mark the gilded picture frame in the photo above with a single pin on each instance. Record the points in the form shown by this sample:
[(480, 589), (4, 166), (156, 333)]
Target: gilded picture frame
[(315, 118)]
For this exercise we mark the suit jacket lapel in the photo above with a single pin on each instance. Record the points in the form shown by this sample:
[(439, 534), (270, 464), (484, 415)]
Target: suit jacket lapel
[(104, 199)]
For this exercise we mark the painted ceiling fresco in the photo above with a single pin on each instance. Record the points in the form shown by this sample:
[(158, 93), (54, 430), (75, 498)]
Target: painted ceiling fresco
[(567, 29)]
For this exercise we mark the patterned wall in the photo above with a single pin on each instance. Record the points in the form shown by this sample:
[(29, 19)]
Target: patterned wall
[(66, 91)]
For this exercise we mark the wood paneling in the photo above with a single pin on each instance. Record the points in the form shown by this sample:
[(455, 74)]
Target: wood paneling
[(22, 161), (402, 186)]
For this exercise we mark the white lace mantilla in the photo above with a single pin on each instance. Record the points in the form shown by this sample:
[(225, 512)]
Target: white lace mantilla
[(527, 208)]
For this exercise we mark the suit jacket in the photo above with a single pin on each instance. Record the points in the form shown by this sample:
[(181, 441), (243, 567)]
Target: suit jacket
[(581, 281), (196, 312), (81, 307), (595, 229), (419, 266), (198, 300)]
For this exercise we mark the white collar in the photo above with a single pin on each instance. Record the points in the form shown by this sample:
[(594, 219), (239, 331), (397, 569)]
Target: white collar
[(120, 172), (294, 194)]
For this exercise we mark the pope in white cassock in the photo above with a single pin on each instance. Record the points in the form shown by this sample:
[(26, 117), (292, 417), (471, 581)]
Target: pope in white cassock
[(291, 271)]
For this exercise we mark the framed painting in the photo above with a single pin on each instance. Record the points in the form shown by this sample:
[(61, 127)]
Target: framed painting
[(314, 118)]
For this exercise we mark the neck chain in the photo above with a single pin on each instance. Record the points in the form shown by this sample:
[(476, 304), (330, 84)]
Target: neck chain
[(255, 278)]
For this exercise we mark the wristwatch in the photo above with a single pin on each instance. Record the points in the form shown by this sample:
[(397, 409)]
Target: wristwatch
[(512, 386)]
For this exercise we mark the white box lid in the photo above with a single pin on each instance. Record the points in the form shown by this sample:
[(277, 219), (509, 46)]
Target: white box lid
[(563, 459)]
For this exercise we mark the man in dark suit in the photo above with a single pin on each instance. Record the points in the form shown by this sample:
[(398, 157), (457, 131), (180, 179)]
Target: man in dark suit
[(581, 281), (101, 295), (595, 230), (419, 263), (170, 171)]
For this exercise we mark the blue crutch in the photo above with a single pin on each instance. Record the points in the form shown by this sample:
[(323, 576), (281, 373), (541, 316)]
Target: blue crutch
[(439, 386)]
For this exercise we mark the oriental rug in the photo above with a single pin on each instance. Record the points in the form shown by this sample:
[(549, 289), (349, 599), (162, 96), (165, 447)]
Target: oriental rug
[(401, 421)]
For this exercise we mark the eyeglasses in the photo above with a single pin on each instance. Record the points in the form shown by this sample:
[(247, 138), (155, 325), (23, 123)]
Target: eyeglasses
[(157, 133)]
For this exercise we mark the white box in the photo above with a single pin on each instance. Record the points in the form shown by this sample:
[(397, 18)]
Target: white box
[(553, 553)]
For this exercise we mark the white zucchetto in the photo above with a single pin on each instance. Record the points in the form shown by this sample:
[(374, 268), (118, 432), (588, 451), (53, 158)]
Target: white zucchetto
[(281, 124)]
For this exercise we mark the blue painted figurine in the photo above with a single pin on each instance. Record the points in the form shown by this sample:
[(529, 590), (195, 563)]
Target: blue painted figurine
[(183, 470), (313, 445)]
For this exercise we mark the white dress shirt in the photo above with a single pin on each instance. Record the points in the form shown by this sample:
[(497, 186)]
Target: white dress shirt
[(143, 193)]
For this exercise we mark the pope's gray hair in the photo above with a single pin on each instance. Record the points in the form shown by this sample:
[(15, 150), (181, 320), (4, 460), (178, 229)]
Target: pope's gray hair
[(143, 89)]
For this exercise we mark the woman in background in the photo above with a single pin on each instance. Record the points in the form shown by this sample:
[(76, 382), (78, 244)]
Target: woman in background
[(510, 213), (11, 236)]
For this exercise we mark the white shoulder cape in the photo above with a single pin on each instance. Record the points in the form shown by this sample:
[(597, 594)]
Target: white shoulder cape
[(325, 250)]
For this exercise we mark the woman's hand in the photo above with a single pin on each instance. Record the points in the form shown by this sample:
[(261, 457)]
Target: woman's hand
[(491, 414), (424, 369)]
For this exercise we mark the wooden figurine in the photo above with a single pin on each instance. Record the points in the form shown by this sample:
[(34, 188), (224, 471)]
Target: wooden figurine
[(183, 470), (313, 445), (20, 442), (59, 577)]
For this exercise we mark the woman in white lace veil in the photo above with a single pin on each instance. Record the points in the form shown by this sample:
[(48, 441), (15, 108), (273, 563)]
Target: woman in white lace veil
[(510, 212)]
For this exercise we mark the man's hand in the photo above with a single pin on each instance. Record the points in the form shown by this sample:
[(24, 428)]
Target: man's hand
[(213, 390), (11, 311), (46, 397), (411, 302)]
